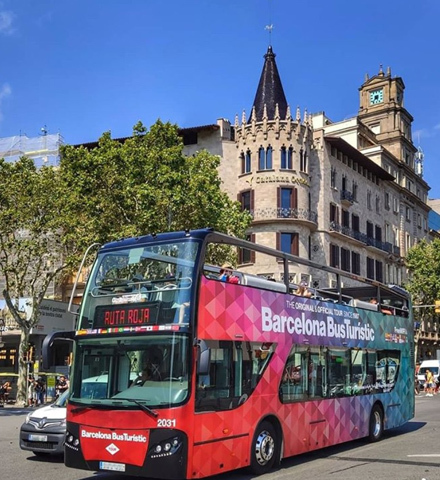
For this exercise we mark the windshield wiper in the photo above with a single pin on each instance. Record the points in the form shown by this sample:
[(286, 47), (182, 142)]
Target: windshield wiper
[(146, 409)]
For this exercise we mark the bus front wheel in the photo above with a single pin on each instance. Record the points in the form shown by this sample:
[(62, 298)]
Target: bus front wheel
[(376, 424), (264, 449)]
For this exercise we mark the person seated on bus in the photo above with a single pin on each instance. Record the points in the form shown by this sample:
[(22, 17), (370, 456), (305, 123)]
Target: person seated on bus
[(383, 308), (226, 274), (303, 290), (143, 377)]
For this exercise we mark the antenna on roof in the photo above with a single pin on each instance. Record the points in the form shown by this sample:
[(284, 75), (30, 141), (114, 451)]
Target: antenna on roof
[(43, 130)]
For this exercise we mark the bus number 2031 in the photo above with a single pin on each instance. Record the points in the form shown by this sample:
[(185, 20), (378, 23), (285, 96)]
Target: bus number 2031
[(165, 422)]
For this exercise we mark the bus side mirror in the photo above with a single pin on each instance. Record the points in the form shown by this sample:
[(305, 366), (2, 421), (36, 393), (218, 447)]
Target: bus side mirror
[(48, 344), (204, 358)]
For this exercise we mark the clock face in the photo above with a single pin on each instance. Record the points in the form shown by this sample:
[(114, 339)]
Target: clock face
[(376, 96)]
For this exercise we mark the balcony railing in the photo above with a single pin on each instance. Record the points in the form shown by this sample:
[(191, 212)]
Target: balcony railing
[(289, 213), (362, 237), (347, 196)]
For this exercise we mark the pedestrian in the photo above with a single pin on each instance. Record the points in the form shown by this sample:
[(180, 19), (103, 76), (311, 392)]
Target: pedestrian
[(31, 391), (5, 389), (62, 385), (429, 383), (40, 390), (416, 385)]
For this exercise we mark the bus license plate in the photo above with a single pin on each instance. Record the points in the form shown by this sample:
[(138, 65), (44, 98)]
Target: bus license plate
[(114, 467), (37, 438)]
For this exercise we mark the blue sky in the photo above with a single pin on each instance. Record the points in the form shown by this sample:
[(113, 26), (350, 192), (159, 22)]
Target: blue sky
[(82, 67)]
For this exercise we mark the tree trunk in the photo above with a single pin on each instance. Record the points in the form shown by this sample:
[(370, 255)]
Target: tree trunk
[(22, 383)]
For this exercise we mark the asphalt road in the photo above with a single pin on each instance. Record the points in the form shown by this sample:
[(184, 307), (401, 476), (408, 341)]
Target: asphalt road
[(411, 452)]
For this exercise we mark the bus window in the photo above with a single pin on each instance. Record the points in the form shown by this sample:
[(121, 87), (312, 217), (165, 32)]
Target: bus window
[(235, 371), (339, 372), (304, 374), (294, 381)]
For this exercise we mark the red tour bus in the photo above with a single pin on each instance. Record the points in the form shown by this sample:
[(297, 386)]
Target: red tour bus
[(177, 374)]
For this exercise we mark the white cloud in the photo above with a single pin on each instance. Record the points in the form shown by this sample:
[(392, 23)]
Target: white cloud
[(437, 127), (6, 20), (5, 91)]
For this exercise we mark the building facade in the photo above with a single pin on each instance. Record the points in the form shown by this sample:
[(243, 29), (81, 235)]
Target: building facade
[(348, 194)]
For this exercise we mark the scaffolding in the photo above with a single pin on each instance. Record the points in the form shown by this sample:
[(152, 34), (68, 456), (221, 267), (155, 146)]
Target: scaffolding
[(44, 150)]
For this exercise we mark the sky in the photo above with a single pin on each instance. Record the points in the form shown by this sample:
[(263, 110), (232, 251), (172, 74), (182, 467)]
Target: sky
[(84, 67)]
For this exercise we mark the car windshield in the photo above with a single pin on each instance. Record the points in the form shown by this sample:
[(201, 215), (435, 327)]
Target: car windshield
[(140, 285), (152, 370), (62, 399)]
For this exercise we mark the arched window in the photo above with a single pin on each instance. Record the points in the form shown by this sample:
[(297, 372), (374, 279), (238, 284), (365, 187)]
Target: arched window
[(248, 162), (269, 151), (283, 155), (290, 158), (261, 159), (286, 158), (245, 161)]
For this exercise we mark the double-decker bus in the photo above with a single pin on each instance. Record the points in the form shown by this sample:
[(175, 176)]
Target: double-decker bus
[(177, 374)]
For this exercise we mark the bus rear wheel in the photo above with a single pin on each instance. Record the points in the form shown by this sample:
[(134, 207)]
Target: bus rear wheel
[(376, 424), (264, 449)]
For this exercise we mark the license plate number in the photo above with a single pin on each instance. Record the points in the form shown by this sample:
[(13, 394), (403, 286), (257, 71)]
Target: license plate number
[(114, 467), (38, 438)]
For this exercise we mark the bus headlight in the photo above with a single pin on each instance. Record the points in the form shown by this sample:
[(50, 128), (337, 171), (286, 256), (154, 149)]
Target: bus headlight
[(166, 447)]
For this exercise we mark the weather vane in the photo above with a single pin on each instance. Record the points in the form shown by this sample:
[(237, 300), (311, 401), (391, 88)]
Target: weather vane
[(269, 27)]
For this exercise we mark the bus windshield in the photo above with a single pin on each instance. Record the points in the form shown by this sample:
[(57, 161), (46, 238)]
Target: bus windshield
[(148, 285), (152, 370)]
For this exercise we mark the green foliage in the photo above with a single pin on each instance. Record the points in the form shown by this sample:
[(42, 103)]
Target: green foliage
[(423, 263), (144, 185), (29, 227), (30, 253)]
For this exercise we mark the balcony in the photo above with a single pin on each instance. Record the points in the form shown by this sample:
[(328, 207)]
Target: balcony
[(301, 214), (347, 198), (362, 237)]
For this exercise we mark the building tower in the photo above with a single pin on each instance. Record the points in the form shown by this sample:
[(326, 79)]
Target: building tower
[(274, 152)]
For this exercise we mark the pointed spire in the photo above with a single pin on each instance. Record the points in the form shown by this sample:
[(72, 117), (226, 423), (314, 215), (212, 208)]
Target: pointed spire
[(298, 114), (389, 72), (305, 115), (288, 114), (236, 121), (243, 118), (265, 112), (381, 70), (277, 112), (253, 115), (367, 77), (270, 90)]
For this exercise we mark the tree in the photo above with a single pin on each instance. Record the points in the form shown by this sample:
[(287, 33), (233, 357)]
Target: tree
[(423, 263), (48, 217), (30, 251), (145, 184)]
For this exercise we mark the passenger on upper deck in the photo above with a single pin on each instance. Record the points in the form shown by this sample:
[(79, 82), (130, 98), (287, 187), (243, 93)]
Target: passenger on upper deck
[(303, 290), (226, 274)]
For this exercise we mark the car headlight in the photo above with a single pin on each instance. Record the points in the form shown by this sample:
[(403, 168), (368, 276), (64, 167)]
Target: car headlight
[(28, 417)]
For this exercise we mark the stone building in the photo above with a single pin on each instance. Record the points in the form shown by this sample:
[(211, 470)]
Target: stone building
[(348, 194)]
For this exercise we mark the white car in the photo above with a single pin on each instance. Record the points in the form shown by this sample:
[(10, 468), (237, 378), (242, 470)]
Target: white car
[(44, 429)]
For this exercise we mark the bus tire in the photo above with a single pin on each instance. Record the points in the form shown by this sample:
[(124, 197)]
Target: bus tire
[(264, 448), (376, 424)]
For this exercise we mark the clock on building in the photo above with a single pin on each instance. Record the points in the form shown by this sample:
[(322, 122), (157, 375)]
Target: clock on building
[(376, 96)]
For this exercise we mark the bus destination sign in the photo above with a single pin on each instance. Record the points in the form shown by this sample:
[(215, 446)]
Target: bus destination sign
[(129, 315)]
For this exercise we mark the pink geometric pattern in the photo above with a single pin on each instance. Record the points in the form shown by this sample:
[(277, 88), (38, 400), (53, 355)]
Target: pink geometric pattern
[(234, 312)]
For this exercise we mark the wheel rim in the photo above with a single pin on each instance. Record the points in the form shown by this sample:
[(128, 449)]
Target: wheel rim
[(377, 423), (264, 448)]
